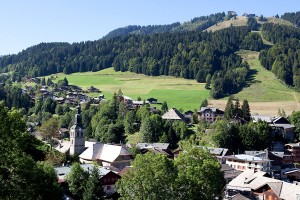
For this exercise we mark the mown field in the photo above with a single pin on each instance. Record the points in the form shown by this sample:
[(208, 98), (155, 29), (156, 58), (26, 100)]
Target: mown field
[(265, 93), (178, 92)]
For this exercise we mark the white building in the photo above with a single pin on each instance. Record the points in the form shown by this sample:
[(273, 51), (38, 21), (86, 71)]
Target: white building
[(243, 162)]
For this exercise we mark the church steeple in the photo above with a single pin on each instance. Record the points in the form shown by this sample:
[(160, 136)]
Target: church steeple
[(78, 119), (77, 135)]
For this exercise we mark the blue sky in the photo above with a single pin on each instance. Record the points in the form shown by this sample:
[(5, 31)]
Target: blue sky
[(26, 23)]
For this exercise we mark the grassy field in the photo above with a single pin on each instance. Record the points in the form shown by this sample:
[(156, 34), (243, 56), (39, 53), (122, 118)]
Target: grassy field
[(239, 21), (265, 93), (242, 21), (178, 92)]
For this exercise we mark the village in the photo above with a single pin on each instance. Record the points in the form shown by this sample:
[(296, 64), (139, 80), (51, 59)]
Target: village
[(272, 172)]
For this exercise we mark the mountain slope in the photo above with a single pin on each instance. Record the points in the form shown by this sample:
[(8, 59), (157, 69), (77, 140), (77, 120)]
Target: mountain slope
[(198, 23), (265, 93)]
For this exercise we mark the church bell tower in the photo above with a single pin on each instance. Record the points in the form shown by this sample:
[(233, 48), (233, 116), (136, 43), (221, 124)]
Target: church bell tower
[(77, 135)]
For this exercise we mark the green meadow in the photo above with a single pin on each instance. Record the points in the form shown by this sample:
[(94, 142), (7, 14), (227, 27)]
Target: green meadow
[(178, 92)]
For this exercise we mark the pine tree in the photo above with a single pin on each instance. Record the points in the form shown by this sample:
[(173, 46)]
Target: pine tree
[(164, 106), (43, 81), (93, 188), (229, 110), (76, 180), (237, 109), (246, 115)]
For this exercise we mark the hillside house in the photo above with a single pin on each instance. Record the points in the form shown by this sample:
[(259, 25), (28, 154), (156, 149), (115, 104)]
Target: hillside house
[(210, 114), (173, 114), (257, 185), (294, 148), (108, 177), (157, 148), (280, 126), (152, 100), (231, 13)]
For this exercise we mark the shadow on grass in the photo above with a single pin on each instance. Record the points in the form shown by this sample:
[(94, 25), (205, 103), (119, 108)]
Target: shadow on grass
[(251, 78)]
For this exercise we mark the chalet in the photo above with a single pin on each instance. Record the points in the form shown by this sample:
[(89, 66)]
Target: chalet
[(93, 89), (157, 148), (108, 177), (136, 104), (257, 185), (106, 155), (152, 100), (280, 126), (210, 114), (294, 148), (173, 114), (231, 13)]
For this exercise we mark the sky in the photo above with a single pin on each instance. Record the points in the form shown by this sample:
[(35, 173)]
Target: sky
[(27, 23)]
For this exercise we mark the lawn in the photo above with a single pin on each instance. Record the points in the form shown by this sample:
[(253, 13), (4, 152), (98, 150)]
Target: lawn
[(178, 92)]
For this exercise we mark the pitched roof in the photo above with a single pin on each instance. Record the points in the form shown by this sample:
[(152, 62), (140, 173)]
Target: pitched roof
[(215, 110), (173, 114), (104, 152), (63, 171), (276, 187), (264, 118), (250, 180), (153, 145)]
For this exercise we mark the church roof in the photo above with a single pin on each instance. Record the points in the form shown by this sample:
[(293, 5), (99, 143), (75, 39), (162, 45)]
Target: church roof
[(104, 152)]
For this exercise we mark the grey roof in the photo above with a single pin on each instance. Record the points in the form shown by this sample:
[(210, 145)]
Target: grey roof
[(153, 145), (63, 171), (264, 118), (214, 110), (215, 151), (285, 126), (208, 108), (173, 114)]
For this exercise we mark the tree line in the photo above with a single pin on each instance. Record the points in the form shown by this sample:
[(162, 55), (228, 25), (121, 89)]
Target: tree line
[(282, 58)]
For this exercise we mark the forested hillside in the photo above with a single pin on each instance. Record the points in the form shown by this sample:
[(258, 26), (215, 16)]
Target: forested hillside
[(198, 23), (292, 17), (283, 58)]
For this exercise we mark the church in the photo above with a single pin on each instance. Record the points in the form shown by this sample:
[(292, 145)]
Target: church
[(104, 154)]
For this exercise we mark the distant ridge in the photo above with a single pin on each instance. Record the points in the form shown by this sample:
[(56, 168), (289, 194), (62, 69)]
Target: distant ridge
[(197, 23)]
